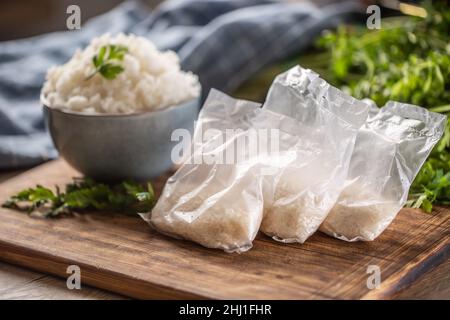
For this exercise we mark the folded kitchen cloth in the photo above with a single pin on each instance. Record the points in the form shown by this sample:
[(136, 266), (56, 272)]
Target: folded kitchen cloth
[(223, 41)]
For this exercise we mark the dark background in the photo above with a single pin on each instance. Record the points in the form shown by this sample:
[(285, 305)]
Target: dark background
[(24, 18)]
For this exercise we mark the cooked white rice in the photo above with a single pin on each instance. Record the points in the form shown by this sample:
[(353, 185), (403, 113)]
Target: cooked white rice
[(151, 80)]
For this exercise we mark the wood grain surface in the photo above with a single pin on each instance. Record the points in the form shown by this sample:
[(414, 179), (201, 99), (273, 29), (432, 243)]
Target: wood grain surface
[(18, 283), (124, 255), (22, 284)]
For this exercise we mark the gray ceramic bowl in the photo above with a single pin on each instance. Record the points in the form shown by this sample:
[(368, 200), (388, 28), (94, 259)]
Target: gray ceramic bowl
[(115, 147)]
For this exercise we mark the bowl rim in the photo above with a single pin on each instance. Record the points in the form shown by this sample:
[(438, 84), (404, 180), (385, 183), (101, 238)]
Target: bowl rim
[(45, 105)]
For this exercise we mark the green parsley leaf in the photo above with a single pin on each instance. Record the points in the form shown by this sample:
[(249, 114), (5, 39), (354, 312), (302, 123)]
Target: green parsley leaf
[(105, 62)]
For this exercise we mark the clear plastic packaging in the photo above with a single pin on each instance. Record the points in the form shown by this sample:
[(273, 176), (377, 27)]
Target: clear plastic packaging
[(389, 151), (316, 175), (327, 121), (209, 201)]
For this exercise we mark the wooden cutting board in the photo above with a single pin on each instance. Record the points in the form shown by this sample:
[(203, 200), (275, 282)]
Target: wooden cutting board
[(124, 255)]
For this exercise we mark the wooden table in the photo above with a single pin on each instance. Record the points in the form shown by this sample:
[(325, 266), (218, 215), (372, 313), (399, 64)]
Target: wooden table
[(19, 283)]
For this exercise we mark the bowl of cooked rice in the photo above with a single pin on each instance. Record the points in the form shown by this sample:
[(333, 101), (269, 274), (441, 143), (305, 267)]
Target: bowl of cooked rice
[(113, 108)]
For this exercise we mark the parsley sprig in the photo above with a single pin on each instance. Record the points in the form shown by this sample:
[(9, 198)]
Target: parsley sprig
[(84, 194), (106, 61)]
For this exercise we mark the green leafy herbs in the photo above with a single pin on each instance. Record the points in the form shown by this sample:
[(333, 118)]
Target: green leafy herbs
[(407, 60), (84, 194), (106, 62)]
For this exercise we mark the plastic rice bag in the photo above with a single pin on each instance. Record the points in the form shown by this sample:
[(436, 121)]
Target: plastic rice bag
[(212, 200), (389, 151), (327, 123)]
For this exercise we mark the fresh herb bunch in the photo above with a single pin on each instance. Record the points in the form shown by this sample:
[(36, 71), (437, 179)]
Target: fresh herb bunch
[(84, 194), (406, 60), (105, 62)]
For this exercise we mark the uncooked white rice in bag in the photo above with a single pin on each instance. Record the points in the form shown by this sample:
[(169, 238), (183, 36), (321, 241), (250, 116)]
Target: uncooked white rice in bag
[(306, 190), (389, 152), (217, 205)]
